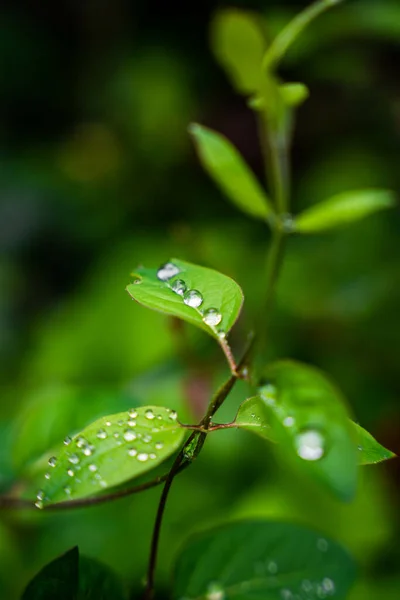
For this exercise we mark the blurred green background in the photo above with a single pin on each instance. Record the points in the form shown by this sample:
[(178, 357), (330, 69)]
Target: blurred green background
[(98, 174)]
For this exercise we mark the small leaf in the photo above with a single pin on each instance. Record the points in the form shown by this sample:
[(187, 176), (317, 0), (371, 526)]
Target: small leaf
[(239, 45), (97, 581), (59, 579), (110, 451), (342, 209), (294, 94), (302, 411), (201, 296), (369, 450), (227, 168), (262, 560)]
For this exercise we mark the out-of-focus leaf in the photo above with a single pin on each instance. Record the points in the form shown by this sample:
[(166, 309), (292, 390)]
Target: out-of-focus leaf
[(263, 560), (302, 411), (97, 581), (227, 168), (201, 296), (294, 94), (369, 450), (342, 209), (110, 451), (239, 45), (59, 579)]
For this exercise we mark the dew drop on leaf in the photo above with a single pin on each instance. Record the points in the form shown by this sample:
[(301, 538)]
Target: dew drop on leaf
[(52, 461), (101, 434), (132, 413), (149, 414), (142, 457), (167, 271), (193, 298), (212, 317), (67, 440), (92, 468), (179, 287), (47, 475), (159, 446), (70, 472), (129, 436), (73, 459), (310, 444), (132, 452)]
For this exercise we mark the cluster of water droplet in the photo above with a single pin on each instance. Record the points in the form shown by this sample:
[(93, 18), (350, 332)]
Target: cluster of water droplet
[(118, 433), (311, 589), (191, 297)]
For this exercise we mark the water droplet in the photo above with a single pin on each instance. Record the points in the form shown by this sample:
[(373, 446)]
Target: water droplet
[(131, 423), (193, 298), (47, 475), (80, 442), (272, 567), (360, 448), (40, 495), (328, 585), (132, 452), (52, 461), (173, 415), (288, 421), (159, 417), (310, 444), (132, 413), (39, 504), (149, 414), (222, 334), (212, 317), (142, 457), (179, 287), (73, 458), (159, 445), (67, 440), (67, 490), (92, 468), (88, 450), (116, 435), (108, 423), (129, 436), (101, 434), (102, 483), (215, 591), (287, 223), (167, 271), (322, 545), (147, 439), (120, 422), (286, 594), (152, 456), (70, 472)]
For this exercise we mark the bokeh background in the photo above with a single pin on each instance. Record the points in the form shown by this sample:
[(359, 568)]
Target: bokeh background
[(98, 174)]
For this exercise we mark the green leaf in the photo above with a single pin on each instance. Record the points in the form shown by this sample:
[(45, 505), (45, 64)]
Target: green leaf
[(302, 411), (155, 289), (227, 168), (369, 450), (59, 579), (239, 45), (262, 560), (342, 209), (110, 451), (294, 94), (97, 581)]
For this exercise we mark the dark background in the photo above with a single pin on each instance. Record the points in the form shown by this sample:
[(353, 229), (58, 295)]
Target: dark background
[(98, 174)]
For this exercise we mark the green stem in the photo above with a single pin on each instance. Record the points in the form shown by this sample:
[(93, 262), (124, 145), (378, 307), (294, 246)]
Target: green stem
[(288, 35)]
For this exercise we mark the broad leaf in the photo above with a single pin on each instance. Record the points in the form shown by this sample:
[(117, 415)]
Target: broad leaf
[(97, 581), (227, 168), (308, 418), (195, 294), (110, 451), (59, 579), (262, 560), (343, 209), (239, 45), (369, 450)]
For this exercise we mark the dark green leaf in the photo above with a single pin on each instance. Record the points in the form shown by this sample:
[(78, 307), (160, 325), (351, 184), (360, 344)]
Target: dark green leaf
[(369, 450), (227, 168), (302, 411), (98, 582), (239, 45), (110, 451), (343, 209), (261, 560), (57, 580), (214, 308)]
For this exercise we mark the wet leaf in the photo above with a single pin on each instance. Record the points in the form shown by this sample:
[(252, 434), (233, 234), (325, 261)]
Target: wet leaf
[(342, 209), (369, 450), (201, 296), (110, 451), (226, 167), (262, 560)]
